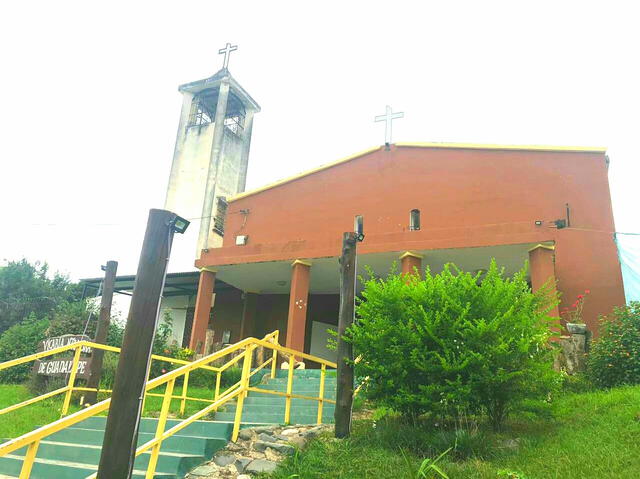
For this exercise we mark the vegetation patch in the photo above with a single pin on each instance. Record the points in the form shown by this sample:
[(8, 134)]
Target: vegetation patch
[(585, 435)]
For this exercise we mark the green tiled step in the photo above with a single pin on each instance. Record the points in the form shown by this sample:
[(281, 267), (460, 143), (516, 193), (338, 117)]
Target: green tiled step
[(260, 399), (74, 453), (262, 418), (203, 446), (179, 463), (279, 409), (305, 373), (198, 428), (11, 465)]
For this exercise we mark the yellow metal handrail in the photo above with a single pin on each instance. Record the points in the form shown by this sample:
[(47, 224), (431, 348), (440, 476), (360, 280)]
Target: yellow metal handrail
[(237, 391)]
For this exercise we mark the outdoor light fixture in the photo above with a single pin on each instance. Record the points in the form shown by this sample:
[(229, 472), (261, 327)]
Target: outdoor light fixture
[(180, 225), (358, 227), (538, 223), (241, 240), (560, 224)]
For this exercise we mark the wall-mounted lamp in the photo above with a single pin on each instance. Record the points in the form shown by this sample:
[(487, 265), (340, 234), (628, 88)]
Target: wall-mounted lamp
[(538, 222), (241, 240), (358, 227), (180, 225)]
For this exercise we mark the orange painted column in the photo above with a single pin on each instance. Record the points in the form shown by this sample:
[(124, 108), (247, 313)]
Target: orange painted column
[(410, 262), (298, 297), (542, 268), (204, 300)]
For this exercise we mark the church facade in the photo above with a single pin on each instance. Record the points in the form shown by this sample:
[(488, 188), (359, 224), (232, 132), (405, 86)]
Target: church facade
[(423, 205)]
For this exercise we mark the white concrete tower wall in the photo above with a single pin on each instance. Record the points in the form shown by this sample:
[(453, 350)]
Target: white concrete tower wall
[(206, 154)]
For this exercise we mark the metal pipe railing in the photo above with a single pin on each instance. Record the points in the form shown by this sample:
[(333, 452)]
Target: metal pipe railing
[(243, 350)]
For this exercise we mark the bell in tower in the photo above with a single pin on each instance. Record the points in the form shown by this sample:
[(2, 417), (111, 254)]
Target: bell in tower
[(211, 155)]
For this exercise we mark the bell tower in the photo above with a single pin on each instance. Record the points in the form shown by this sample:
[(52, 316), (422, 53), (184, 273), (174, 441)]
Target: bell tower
[(211, 156)]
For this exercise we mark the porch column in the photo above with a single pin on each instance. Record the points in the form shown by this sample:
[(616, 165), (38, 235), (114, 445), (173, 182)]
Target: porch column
[(247, 325), (542, 269), (298, 297), (409, 262), (204, 300)]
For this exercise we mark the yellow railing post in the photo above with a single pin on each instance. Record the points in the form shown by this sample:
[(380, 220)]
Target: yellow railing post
[(185, 385), (29, 458), (274, 362), (244, 385), (217, 393), (287, 408), (72, 380), (144, 393), (323, 372), (162, 422)]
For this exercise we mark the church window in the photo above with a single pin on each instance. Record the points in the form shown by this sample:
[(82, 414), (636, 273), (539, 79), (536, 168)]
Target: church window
[(414, 220), (221, 214)]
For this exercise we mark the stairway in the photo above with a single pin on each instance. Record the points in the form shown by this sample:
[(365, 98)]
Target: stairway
[(261, 408), (74, 452)]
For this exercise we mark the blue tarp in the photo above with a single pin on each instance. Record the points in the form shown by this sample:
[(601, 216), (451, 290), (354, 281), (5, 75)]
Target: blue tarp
[(629, 252)]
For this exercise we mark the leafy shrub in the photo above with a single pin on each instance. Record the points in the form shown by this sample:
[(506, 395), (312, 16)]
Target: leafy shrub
[(454, 342), (21, 340), (614, 358), (73, 318)]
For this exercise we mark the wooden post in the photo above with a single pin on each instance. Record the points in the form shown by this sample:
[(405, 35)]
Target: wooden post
[(97, 355), (344, 392), (121, 432)]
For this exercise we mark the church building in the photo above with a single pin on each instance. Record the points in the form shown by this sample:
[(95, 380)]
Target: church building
[(267, 259), (423, 205)]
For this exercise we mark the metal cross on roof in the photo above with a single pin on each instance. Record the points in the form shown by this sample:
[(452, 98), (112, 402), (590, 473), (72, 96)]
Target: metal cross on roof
[(388, 117), (226, 51)]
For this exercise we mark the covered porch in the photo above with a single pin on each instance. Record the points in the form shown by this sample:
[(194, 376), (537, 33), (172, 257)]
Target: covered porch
[(300, 296)]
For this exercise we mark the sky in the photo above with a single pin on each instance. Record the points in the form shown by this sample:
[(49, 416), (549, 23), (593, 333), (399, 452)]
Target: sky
[(89, 105)]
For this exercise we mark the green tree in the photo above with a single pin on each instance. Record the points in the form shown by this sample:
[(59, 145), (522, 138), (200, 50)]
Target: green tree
[(21, 340), (27, 289), (454, 342), (614, 358)]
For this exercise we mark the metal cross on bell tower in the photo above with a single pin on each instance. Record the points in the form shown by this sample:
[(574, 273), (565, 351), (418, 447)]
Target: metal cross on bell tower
[(226, 51), (388, 117)]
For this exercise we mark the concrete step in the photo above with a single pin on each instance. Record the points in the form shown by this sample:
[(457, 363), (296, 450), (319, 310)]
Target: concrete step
[(203, 446), (271, 399), (209, 429), (305, 373), (169, 462), (278, 418), (11, 465)]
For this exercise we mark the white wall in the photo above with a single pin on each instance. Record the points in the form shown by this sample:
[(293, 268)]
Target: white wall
[(319, 339), (176, 306)]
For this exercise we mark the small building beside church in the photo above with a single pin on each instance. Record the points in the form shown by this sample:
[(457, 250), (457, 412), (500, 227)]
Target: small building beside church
[(423, 205)]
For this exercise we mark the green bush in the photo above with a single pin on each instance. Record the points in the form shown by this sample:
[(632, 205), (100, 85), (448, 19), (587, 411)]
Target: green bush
[(21, 340), (453, 342), (614, 358)]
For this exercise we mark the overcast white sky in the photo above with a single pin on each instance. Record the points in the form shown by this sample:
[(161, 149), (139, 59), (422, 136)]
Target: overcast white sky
[(89, 104)]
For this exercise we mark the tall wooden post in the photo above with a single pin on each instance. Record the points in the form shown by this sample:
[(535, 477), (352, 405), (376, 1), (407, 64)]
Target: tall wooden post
[(344, 392), (97, 355), (121, 434)]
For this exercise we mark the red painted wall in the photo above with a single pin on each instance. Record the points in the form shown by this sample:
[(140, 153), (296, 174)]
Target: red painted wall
[(467, 197)]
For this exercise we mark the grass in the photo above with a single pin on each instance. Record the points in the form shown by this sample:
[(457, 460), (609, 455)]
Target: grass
[(16, 423), (583, 435)]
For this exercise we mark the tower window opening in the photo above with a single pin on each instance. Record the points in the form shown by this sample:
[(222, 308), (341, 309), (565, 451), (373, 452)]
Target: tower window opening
[(203, 111), (414, 220), (221, 214)]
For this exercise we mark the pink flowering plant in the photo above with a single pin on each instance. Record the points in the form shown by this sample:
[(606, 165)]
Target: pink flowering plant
[(574, 314)]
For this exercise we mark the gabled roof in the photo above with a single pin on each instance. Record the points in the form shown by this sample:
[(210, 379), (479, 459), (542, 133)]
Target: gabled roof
[(461, 146)]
